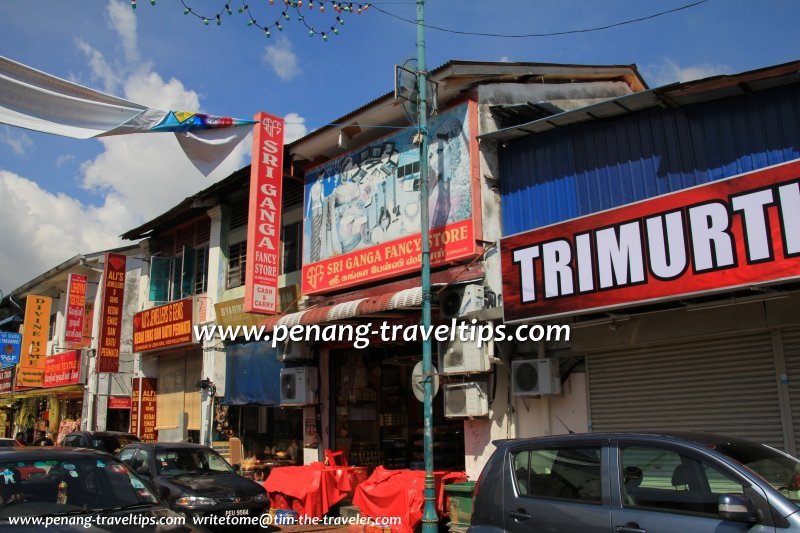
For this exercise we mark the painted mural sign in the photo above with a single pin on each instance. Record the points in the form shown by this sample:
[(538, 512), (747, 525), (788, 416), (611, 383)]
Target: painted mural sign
[(165, 326), (362, 210), (111, 312), (62, 369), (264, 217), (736, 232), (10, 348), (35, 332), (76, 301), (143, 408)]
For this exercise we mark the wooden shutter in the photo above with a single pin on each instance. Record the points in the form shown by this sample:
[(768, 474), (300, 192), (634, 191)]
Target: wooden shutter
[(194, 370), (170, 396)]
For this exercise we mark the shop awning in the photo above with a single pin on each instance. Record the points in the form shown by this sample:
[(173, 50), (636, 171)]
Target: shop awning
[(405, 296), (253, 375)]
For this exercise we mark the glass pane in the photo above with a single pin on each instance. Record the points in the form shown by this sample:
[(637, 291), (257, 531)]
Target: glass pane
[(159, 279), (187, 272), (522, 471), (565, 473)]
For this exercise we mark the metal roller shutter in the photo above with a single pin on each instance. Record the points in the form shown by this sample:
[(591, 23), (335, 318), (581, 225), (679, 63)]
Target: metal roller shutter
[(721, 385), (791, 355)]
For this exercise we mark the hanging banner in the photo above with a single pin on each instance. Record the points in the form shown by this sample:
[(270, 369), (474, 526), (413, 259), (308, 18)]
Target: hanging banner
[(6, 381), (143, 408), (62, 369), (35, 331), (361, 214), (10, 347), (111, 313), (736, 232), (76, 301), (165, 326), (264, 218)]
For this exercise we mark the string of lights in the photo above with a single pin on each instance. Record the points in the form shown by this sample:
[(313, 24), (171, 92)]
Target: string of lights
[(551, 34), (288, 6)]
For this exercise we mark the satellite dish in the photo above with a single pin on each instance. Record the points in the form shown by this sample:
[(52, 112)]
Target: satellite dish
[(418, 382), (406, 90)]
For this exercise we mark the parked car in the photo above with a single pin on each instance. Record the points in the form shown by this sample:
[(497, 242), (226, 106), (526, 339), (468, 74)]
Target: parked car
[(195, 480), (632, 483), (81, 484), (106, 441), (10, 443)]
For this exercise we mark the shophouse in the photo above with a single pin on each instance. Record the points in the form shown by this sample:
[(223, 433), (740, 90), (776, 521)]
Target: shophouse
[(663, 227)]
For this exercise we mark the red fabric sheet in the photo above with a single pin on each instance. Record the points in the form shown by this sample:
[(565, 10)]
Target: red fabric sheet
[(401, 493), (316, 487)]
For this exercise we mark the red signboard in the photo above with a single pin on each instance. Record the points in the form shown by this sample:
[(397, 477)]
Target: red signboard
[(76, 300), (6, 380), (447, 244), (736, 232), (119, 402), (62, 369), (264, 218), (143, 408), (164, 326), (111, 313)]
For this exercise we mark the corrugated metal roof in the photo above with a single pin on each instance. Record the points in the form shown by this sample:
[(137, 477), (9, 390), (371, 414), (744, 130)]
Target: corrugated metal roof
[(668, 96)]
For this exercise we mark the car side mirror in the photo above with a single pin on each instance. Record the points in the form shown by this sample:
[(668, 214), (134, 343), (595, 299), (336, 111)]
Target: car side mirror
[(143, 471), (736, 508), (237, 468)]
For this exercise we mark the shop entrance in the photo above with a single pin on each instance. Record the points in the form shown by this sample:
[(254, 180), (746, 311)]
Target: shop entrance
[(376, 420)]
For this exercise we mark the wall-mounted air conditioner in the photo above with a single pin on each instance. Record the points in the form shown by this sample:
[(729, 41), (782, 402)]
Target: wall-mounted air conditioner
[(466, 400), (289, 350), (299, 385), (459, 300), (464, 357), (535, 377)]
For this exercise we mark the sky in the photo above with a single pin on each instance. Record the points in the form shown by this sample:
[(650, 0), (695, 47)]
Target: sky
[(64, 196)]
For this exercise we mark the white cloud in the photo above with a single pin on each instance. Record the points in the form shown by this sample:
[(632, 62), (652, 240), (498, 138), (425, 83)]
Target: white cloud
[(282, 59), (295, 127), (16, 139), (670, 72), (123, 21), (64, 159), (505, 59), (101, 70)]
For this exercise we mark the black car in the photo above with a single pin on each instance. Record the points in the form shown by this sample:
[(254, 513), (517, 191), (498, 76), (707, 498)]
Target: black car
[(632, 483), (105, 441), (74, 488), (195, 480)]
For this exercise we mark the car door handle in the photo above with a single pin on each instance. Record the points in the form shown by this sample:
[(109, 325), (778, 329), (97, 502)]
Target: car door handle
[(630, 527), (520, 515)]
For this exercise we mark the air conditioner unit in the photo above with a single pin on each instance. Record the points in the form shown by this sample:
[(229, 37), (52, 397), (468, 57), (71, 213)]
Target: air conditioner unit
[(535, 377), (299, 385), (294, 351), (459, 357), (466, 399), (460, 300)]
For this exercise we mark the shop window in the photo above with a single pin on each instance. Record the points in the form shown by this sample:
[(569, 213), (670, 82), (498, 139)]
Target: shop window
[(290, 237), (561, 473), (175, 278), (237, 260)]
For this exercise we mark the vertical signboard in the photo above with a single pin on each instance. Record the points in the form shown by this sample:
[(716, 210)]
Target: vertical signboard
[(143, 408), (264, 217), (35, 332), (111, 313), (6, 380), (10, 345), (76, 300)]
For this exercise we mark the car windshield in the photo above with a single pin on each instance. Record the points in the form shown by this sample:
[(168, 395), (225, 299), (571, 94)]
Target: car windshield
[(55, 486), (183, 461), (111, 444), (780, 470)]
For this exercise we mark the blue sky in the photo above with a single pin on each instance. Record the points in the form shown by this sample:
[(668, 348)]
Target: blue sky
[(65, 196)]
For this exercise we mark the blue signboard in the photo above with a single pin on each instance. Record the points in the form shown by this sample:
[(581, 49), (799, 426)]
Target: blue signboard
[(10, 344)]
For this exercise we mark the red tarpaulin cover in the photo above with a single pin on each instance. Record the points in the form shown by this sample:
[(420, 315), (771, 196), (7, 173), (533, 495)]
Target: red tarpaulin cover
[(315, 486), (401, 493)]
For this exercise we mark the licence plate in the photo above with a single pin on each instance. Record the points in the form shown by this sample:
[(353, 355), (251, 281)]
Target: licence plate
[(237, 512)]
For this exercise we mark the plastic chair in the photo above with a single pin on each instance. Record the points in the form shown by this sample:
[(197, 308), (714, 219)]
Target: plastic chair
[(330, 458)]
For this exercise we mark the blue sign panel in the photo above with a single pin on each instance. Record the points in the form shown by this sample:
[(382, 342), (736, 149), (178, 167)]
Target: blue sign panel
[(10, 344)]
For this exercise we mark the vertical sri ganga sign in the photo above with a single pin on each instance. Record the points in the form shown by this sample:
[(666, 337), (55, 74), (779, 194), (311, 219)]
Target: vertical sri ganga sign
[(76, 301), (264, 217), (735, 232)]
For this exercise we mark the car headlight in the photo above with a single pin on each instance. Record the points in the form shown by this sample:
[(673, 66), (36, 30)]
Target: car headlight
[(262, 497), (192, 501)]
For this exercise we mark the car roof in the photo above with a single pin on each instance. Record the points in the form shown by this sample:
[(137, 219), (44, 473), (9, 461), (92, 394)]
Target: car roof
[(103, 433), (39, 453), (168, 445), (696, 437)]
